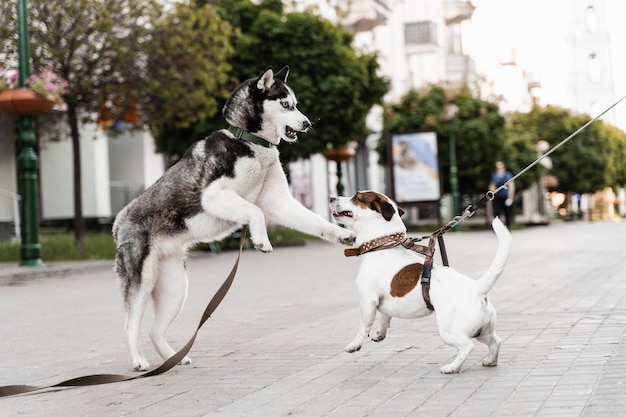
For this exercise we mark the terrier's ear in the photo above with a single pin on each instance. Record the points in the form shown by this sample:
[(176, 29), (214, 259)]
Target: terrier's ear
[(388, 211), (283, 74), (265, 80), (383, 207), (400, 211)]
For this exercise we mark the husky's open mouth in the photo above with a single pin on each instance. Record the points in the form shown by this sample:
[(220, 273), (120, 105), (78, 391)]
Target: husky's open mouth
[(291, 134)]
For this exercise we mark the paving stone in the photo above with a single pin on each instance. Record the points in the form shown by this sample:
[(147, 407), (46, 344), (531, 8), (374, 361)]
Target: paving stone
[(275, 346)]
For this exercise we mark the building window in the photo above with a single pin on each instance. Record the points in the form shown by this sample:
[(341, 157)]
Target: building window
[(420, 33), (593, 67), (591, 19)]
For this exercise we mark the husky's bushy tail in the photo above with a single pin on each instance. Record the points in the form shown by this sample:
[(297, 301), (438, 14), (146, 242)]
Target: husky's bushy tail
[(486, 282), (133, 246)]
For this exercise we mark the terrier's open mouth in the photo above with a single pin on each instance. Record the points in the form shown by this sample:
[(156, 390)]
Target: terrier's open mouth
[(342, 213)]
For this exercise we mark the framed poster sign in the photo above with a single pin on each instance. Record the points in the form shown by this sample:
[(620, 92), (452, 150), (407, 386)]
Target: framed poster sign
[(414, 167)]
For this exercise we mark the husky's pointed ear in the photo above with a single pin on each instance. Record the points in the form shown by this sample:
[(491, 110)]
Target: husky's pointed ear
[(283, 74), (265, 80)]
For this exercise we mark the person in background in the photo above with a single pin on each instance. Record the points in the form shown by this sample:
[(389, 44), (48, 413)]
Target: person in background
[(503, 199)]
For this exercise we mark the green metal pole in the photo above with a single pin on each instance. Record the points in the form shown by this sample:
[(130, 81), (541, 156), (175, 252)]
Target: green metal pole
[(340, 186), (27, 161), (454, 181)]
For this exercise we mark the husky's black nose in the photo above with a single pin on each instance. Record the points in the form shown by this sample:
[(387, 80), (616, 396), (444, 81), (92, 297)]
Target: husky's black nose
[(306, 124)]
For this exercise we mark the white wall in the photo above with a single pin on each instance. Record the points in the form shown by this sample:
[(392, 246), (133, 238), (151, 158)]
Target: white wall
[(134, 165), (320, 192), (8, 168), (57, 176), (154, 163)]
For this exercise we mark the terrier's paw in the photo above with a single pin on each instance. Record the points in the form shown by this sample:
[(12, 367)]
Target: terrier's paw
[(353, 347), (487, 362), (449, 369), (379, 337)]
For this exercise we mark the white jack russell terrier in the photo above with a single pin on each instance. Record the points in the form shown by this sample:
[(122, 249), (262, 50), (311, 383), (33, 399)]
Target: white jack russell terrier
[(389, 280)]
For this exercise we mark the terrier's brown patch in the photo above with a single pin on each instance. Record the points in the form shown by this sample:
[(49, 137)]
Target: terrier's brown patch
[(376, 201), (405, 280)]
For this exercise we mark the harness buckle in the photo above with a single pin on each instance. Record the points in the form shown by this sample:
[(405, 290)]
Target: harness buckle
[(408, 243)]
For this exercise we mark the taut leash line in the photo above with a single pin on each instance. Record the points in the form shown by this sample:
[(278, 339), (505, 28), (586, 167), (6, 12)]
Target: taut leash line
[(99, 379), (429, 251), (490, 195)]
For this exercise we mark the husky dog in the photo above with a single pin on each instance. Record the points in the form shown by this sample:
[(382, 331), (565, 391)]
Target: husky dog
[(221, 183)]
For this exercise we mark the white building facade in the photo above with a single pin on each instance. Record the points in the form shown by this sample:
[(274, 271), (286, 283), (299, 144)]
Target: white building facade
[(114, 170)]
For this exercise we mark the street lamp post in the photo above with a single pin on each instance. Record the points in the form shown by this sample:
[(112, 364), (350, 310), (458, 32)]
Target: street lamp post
[(27, 161), (451, 112), (339, 156)]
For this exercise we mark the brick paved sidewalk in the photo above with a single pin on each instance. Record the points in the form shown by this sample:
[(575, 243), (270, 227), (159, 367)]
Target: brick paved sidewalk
[(275, 345)]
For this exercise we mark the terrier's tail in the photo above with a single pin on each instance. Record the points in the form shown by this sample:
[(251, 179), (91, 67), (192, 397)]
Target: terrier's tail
[(486, 282)]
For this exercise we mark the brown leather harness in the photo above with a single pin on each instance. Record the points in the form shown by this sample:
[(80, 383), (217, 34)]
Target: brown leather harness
[(400, 239), (428, 251)]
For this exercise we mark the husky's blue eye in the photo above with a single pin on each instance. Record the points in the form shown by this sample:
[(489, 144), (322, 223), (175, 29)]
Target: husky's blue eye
[(285, 104)]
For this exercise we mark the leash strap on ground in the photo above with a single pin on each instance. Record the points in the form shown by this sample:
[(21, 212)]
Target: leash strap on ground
[(99, 379)]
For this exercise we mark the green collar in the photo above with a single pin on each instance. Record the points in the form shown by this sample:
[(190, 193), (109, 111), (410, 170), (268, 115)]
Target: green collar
[(242, 134)]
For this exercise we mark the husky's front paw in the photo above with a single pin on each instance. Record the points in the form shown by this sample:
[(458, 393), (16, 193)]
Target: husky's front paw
[(265, 248), (345, 237), (185, 361), (262, 244)]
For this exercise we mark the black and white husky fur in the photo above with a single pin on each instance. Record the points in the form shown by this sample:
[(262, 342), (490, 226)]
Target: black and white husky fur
[(220, 184)]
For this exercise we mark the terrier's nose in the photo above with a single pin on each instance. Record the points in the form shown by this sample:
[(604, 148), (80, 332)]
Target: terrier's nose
[(333, 199)]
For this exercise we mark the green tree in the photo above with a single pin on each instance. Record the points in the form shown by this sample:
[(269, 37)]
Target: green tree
[(336, 85), (591, 161), (174, 63), (188, 73), (616, 169), (91, 44), (478, 131)]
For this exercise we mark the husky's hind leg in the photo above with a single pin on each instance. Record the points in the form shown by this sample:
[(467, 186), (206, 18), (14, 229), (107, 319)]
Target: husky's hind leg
[(169, 294), (135, 307), (136, 300)]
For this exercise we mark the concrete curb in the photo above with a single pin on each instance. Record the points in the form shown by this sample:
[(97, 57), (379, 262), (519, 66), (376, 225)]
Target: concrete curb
[(11, 274)]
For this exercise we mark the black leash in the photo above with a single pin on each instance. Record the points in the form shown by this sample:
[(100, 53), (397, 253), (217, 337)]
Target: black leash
[(99, 379)]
